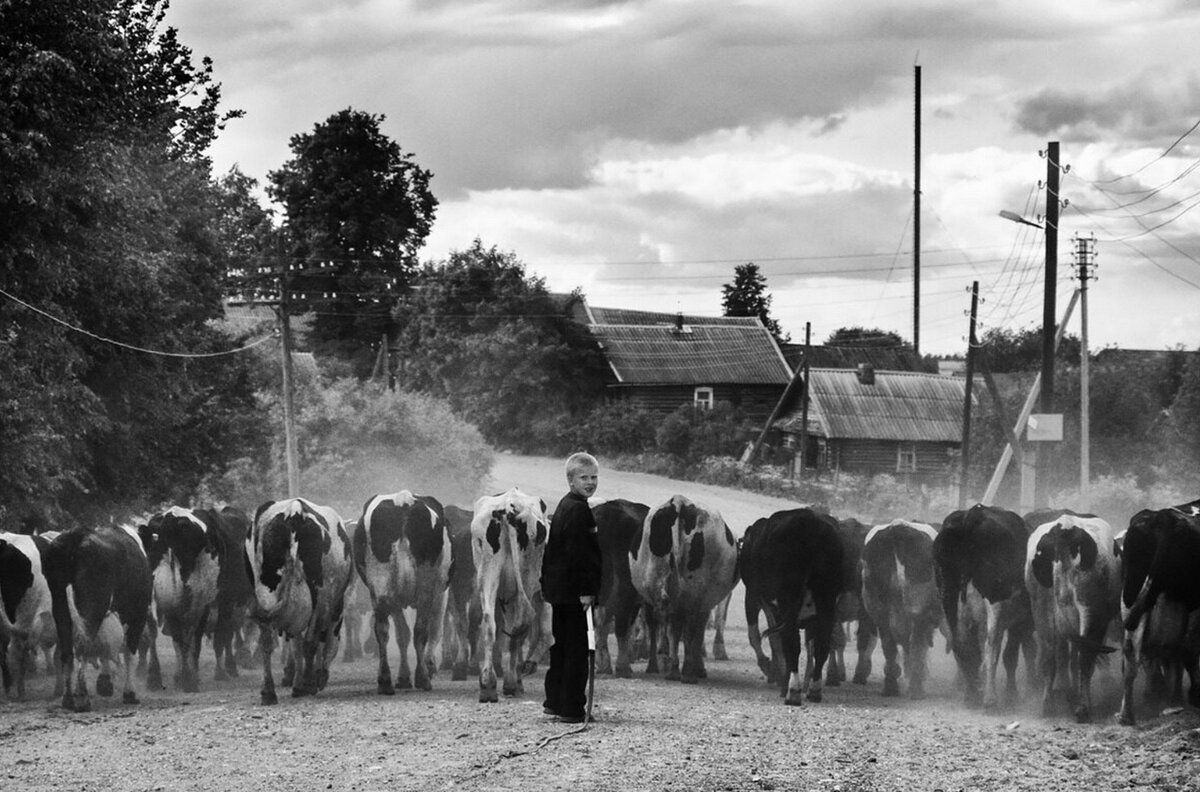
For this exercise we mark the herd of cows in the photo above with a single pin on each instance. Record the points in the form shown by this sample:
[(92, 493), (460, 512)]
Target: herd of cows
[(1058, 588)]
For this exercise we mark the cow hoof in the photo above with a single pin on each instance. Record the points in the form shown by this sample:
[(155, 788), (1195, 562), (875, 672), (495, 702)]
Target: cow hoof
[(891, 688), (424, 684), (814, 695), (322, 678), (458, 673), (220, 674), (190, 685), (672, 675), (916, 693), (861, 679), (527, 667), (268, 697), (403, 683), (794, 699), (624, 672), (514, 690), (231, 671), (104, 685), (833, 683), (689, 679), (1125, 719), (384, 687), (129, 697), (300, 691), (1083, 715), (488, 696)]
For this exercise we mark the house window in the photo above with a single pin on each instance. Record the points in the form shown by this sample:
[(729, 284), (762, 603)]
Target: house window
[(703, 398), (906, 459)]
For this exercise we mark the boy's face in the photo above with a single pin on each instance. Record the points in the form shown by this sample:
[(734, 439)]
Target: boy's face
[(584, 481)]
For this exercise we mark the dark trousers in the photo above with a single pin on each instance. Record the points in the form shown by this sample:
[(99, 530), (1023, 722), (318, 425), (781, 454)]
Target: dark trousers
[(567, 677)]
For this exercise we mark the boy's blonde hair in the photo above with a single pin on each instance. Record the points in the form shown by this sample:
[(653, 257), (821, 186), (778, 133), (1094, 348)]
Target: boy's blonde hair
[(580, 460)]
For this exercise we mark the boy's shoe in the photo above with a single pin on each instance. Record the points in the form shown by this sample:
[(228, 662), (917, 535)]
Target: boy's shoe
[(576, 718)]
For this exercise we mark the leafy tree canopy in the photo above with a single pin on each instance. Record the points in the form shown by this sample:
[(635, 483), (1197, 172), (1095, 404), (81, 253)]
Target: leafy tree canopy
[(747, 296), (866, 337), (1021, 350), (358, 210), (109, 232)]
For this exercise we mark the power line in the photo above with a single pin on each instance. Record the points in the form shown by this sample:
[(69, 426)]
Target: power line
[(133, 347), (1167, 151)]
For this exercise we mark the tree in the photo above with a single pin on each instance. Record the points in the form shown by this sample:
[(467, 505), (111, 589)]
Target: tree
[(747, 296), (866, 337), (358, 210), (108, 233), (1021, 350), (479, 332)]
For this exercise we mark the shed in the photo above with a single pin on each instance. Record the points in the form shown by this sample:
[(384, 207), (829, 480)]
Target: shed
[(903, 423)]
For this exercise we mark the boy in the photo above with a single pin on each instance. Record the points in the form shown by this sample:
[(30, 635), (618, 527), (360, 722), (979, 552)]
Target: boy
[(570, 583)]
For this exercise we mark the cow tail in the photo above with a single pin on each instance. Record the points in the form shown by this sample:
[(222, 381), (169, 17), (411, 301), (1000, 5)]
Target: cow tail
[(526, 613), (8, 630), (1140, 606)]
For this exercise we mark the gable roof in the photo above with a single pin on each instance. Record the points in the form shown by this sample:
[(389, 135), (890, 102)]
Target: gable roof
[(649, 348), (882, 358), (900, 405)]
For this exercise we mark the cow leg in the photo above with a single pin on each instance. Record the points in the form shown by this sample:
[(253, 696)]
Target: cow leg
[(266, 645), (462, 642), (674, 636), (1012, 653), (128, 694), (487, 669), (304, 650), (823, 624), (692, 670), (104, 683), (603, 628), (383, 678), (993, 638), (652, 629), (836, 674), (720, 615), (891, 668), (77, 695), (916, 659), (1129, 668), (864, 643), (353, 625), (287, 657), (403, 639), (789, 641), (426, 633), (624, 624)]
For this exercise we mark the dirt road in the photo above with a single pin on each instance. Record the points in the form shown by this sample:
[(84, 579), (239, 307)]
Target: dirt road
[(730, 732)]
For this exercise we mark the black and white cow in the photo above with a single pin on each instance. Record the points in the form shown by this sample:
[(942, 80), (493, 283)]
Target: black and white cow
[(901, 596), (1160, 597), (1074, 582), (618, 523), (402, 553), (791, 564), (26, 618), (461, 625), (300, 566), (100, 590), (508, 540), (979, 560), (850, 609), (684, 563), (197, 561)]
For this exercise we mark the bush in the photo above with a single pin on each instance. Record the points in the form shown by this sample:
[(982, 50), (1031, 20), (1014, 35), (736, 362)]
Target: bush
[(358, 440)]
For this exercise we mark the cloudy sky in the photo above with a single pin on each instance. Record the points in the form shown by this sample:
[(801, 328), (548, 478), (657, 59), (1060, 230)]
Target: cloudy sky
[(642, 150)]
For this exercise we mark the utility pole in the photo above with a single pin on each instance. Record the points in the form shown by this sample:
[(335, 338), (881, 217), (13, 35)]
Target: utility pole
[(972, 345), (917, 215), (1085, 257), (1046, 406), (804, 399)]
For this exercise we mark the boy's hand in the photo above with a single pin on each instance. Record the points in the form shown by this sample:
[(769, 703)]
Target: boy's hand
[(587, 600)]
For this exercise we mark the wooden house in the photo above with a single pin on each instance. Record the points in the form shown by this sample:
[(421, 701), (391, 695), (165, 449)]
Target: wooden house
[(906, 424), (661, 361)]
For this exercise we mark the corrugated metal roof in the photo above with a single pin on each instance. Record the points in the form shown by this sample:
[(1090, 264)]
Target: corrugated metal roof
[(626, 316), (901, 405), (704, 354)]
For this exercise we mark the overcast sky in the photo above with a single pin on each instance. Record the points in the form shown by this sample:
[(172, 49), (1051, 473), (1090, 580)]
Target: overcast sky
[(642, 150)]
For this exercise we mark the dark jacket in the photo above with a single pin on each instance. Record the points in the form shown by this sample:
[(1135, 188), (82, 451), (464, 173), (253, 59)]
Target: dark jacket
[(572, 562)]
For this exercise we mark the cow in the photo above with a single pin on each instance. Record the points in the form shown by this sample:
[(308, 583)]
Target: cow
[(683, 564), (508, 540), (979, 562), (1073, 578), (852, 534), (901, 598), (618, 521), (298, 557), (197, 562), (100, 592), (791, 565), (26, 617), (1160, 597), (461, 628), (402, 553)]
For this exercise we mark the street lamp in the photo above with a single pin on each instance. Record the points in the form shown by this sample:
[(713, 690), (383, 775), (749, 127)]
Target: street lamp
[(1016, 218)]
